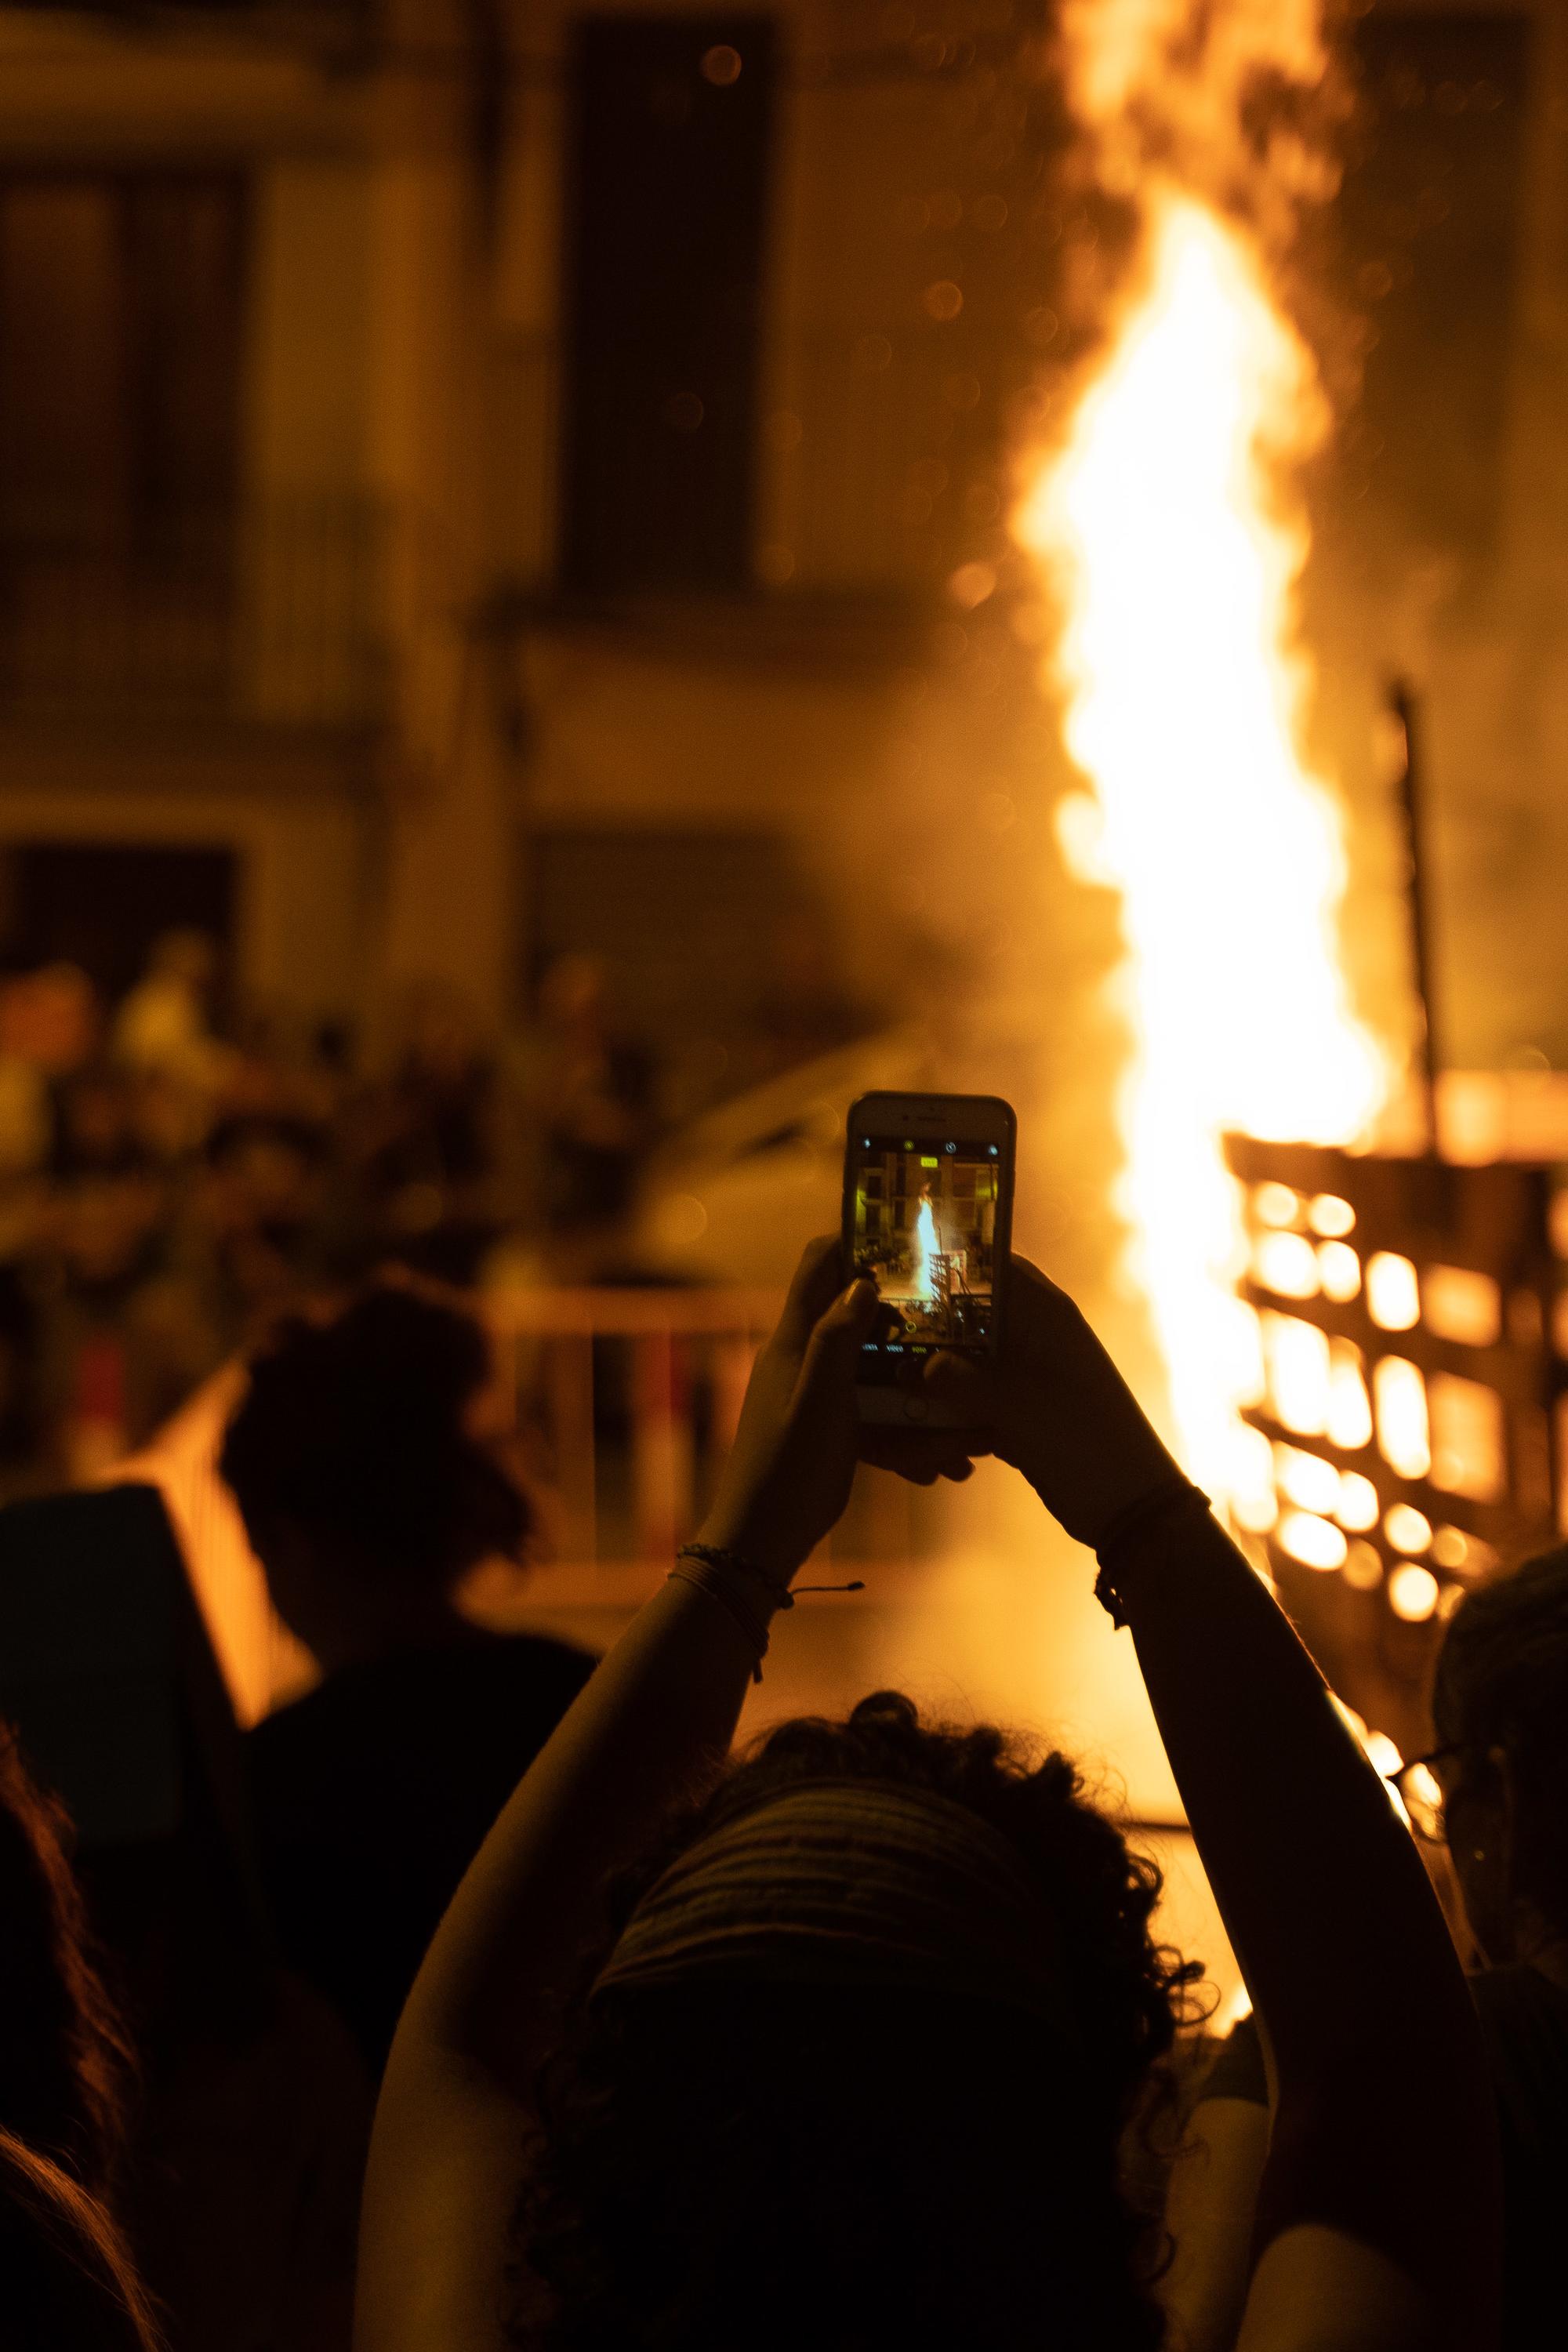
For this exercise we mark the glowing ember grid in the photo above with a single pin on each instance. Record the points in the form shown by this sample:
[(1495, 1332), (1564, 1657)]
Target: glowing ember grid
[(1412, 1413)]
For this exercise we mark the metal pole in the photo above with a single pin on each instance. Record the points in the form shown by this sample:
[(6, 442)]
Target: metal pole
[(1402, 706)]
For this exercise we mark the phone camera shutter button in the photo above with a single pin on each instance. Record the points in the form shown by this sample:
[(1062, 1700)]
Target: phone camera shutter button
[(915, 1408)]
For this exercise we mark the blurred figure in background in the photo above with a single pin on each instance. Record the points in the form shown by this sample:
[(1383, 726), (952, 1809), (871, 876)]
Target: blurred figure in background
[(239, 2179), (164, 1025), (1491, 1804), (264, 1214), (95, 1123), (367, 1462), (423, 1141), (66, 2075), (48, 1032), (48, 1029), (589, 1091)]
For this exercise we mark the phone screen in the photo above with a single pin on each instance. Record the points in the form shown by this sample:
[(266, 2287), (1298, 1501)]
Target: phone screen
[(922, 1223)]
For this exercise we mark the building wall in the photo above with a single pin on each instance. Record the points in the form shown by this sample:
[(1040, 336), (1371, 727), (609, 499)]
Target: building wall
[(402, 404), (277, 776)]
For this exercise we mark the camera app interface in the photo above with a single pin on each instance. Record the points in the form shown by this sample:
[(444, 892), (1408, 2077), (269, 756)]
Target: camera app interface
[(925, 1230)]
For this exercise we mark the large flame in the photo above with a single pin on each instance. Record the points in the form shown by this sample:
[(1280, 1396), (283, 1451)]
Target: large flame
[(925, 1247), (1167, 528)]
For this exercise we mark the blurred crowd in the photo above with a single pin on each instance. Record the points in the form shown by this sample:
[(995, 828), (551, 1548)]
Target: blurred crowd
[(169, 1179)]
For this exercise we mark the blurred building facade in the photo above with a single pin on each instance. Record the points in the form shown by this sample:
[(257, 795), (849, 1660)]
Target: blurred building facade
[(482, 480), (381, 601)]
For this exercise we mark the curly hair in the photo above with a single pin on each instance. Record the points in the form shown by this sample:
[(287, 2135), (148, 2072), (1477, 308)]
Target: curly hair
[(353, 1426), (66, 2062), (1502, 1682), (784, 2164)]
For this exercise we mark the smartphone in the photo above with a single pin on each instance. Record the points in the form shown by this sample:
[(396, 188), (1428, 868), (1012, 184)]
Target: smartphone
[(928, 1215)]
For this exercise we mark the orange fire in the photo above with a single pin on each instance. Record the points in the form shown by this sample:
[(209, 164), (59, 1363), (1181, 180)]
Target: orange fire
[(1169, 527), (926, 1247)]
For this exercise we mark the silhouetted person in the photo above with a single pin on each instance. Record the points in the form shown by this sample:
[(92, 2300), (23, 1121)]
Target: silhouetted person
[(242, 2173), (834, 2044), (592, 1087), (424, 1140), (369, 1490), (164, 1022), (1494, 1795)]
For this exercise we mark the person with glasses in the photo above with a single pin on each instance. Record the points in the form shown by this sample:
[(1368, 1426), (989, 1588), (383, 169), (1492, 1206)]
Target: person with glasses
[(1489, 1806)]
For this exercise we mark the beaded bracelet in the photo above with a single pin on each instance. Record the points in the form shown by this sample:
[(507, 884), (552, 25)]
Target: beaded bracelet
[(725, 1576), (711, 1569), (1171, 1495)]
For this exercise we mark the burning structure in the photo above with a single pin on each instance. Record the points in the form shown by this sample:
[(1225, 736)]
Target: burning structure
[(1168, 522), (1357, 1340)]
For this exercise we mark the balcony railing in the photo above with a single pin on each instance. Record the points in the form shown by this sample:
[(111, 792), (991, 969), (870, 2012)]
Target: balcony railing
[(853, 498), (274, 615)]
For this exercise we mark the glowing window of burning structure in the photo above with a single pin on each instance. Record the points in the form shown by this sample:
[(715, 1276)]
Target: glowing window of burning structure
[(1254, 1501), (1306, 1480), (1392, 1294), (1362, 1570), (1310, 1541), (1399, 1396), (1339, 1271), (1296, 1355), (1286, 1265), (1461, 1304), (1407, 1529), (1467, 1437), (1349, 1420), (1360, 1506), (1413, 1592), (1276, 1205), (1462, 1554)]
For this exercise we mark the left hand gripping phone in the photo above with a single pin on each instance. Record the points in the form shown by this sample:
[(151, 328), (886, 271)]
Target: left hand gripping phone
[(928, 1215)]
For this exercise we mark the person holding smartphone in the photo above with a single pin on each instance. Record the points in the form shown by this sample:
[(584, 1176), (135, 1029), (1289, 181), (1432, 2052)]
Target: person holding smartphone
[(845, 2056)]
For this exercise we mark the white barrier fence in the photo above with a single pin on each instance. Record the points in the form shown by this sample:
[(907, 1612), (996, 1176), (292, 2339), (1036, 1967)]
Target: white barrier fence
[(624, 1403)]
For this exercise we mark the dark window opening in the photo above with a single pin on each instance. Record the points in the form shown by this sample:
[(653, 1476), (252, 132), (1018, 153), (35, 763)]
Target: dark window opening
[(120, 336), (103, 905), (669, 164), (121, 314)]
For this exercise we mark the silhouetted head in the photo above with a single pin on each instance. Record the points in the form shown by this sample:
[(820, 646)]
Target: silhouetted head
[(366, 1466), (187, 956), (855, 2064), (65, 2061), (1500, 1706), (49, 1018)]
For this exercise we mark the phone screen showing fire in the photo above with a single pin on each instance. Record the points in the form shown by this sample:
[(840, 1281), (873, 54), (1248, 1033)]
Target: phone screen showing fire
[(924, 1227)]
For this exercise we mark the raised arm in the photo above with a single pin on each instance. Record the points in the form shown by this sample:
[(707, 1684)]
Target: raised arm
[(655, 1721), (1380, 2190)]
